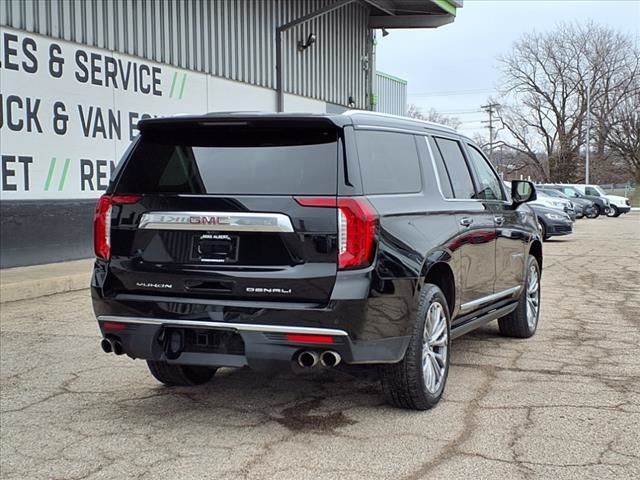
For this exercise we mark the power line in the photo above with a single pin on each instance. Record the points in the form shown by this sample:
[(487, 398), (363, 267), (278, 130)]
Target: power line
[(452, 93)]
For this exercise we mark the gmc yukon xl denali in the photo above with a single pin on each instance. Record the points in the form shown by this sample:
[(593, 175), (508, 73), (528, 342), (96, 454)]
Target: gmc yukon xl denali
[(309, 241)]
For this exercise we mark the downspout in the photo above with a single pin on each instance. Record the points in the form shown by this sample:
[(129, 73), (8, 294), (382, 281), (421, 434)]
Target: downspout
[(283, 28)]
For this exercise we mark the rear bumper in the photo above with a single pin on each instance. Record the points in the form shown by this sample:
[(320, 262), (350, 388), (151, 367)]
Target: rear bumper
[(370, 321), (263, 346)]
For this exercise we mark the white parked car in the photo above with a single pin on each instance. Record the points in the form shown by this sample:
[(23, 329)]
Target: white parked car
[(617, 205)]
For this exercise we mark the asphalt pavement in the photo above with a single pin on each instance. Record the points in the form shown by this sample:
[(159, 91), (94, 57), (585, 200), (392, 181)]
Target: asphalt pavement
[(564, 404)]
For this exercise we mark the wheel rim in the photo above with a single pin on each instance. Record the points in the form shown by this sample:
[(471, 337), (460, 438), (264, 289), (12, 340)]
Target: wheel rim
[(435, 343), (612, 211), (542, 231), (533, 296)]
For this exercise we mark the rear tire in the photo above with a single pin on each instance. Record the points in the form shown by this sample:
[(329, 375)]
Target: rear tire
[(418, 380), (523, 321), (180, 375)]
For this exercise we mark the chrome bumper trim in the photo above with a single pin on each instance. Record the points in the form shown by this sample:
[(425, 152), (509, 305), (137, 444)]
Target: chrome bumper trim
[(243, 327)]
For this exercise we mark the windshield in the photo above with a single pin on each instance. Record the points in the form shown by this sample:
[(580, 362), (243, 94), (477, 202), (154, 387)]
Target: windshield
[(555, 193), (571, 192)]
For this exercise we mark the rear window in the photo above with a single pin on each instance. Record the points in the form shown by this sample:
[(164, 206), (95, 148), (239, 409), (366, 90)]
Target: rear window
[(233, 160), (389, 162)]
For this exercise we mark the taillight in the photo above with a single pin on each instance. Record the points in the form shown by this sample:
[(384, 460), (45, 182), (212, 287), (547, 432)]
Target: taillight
[(102, 222), (357, 224)]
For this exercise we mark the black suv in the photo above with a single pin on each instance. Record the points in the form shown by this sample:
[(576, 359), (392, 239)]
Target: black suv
[(306, 241)]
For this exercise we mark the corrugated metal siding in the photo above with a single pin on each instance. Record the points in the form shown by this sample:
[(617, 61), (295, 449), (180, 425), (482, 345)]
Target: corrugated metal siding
[(233, 39), (392, 94)]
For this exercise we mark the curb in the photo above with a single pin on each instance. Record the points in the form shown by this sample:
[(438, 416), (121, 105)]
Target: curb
[(24, 283)]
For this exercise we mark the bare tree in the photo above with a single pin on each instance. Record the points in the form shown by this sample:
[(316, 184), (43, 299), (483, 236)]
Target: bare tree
[(433, 116), (624, 133), (546, 78), (415, 112)]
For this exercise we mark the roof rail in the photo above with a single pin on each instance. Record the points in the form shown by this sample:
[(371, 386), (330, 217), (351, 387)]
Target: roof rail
[(399, 117)]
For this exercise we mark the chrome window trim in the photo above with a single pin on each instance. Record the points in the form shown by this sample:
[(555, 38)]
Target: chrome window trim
[(231, 221), (242, 327), (509, 292), (408, 131), (435, 171)]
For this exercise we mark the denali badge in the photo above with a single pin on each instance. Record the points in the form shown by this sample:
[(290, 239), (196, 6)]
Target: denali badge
[(268, 290), (153, 285)]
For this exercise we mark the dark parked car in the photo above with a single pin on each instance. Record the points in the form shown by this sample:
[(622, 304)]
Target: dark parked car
[(306, 241), (600, 204), (582, 206), (552, 222)]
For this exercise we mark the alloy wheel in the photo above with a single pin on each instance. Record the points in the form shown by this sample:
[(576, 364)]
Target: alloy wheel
[(533, 296), (435, 342)]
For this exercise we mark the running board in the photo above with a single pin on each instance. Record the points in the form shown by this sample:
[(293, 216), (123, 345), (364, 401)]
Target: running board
[(477, 321)]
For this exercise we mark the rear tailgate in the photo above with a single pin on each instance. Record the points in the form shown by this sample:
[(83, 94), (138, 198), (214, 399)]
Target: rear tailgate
[(216, 216)]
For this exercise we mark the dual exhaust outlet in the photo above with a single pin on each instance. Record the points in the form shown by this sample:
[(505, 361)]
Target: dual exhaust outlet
[(109, 345), (309, 358)]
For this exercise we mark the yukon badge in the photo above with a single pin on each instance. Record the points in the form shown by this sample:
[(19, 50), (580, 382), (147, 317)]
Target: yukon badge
[(153, 285), (268, 290)]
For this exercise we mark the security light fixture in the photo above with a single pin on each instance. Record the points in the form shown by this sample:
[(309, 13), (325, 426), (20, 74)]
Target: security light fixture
[(385, 32), (311, 39)]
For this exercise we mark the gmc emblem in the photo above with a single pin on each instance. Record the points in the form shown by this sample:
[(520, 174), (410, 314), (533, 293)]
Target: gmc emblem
[(209, 220)]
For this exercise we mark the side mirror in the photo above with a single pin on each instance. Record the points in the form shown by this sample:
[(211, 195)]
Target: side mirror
[(522, 191)]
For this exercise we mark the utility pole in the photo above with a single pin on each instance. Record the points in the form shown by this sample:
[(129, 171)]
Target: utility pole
[(586, 162), (490, 108)]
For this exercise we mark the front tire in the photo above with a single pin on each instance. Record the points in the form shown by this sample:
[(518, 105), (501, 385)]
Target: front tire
[(613, 211), (543, 230), (418, 380), (523, 321), (180, 375)]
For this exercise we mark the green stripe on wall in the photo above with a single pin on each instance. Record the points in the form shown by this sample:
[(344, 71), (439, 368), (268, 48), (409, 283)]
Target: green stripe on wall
[(446, 5)]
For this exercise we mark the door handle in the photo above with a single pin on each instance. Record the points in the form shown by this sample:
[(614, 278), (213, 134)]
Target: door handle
[(466, 221), (499, 220)]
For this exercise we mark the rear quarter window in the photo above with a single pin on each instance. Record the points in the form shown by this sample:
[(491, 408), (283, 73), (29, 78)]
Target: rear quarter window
[(389, 162)]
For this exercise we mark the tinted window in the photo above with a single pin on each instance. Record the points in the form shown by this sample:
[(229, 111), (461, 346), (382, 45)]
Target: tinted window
[(591, 191), (456, 165), (233, 160), (488, 181), (443, 175), (389, 162)]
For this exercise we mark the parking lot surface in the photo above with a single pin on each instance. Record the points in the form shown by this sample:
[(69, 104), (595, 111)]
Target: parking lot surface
[(564, 404)]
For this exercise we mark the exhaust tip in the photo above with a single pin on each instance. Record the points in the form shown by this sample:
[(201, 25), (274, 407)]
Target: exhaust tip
[(330, 358), (308, 359), (105, 344), (117, 347)]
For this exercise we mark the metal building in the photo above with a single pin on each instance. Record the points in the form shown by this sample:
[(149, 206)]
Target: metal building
[(76, 75), (391, 93)]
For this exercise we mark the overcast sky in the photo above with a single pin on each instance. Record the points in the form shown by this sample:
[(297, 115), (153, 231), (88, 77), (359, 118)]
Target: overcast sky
[(453, 68)]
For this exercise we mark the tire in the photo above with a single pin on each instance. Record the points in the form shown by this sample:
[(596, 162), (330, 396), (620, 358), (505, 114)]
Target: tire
[(543, 231), (412, 383), (523, 322), (180, 375), (613, 211), (594, 212), (597, 211)]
